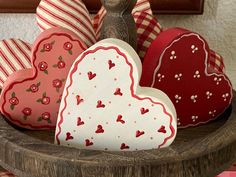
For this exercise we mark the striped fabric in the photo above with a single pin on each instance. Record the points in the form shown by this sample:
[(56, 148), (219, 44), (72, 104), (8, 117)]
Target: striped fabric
[(143, 6), (70, 14), (14, 56), (76, 18), (73, 15)]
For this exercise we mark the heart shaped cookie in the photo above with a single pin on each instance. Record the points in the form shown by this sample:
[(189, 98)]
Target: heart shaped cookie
[(177, 63), (14, 56), (104, 108), (31, 97)]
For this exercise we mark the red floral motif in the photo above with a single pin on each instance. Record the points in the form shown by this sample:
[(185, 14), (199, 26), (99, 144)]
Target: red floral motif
[(27, 111), (57, 83), (34, 88), (43, 66), (47, 47), (45, 100), (13, 101), (60, 64), (68, 46), (46, 117)]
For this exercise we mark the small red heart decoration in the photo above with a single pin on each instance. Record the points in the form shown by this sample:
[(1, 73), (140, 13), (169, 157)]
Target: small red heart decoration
[(177, 64), (91, 75), (31, 97), (100, 104), (162, 129), (99, 129), (88, 142), (79, 100), (80, 122), (124, 146), (139, 133), (111, 64), (118, 92), (144, 111), (68, 136), (119, 119)]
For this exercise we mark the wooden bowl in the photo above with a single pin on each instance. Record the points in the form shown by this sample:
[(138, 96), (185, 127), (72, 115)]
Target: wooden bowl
[(203, 151)]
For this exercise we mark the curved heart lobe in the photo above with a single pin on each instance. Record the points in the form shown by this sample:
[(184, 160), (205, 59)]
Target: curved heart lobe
[(31, 97), (178, 64), (118, 114)]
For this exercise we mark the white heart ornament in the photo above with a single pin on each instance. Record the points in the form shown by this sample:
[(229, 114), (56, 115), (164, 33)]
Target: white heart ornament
[(104, 108)]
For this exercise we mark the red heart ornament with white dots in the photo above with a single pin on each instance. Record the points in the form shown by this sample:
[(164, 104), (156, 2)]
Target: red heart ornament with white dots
[(177, 64), (104, 108), (31, 97)]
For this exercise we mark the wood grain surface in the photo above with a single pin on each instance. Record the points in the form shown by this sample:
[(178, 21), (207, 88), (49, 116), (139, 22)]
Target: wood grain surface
[(158, 6), (203, 151)]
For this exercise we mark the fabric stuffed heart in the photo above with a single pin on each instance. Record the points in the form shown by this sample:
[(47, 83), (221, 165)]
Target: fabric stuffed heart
[(104, 108), (177, 64), (73, 15), (31, 97), (216, 63), (14, 56)]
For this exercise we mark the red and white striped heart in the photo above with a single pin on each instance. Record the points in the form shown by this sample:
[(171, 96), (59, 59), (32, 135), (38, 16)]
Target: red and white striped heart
[(99, 111), (72, 14), (14, 56)]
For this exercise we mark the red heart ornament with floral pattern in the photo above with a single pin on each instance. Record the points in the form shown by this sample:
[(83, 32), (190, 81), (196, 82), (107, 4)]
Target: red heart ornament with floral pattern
[(177, 64), (116, 113), (31, 97)]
